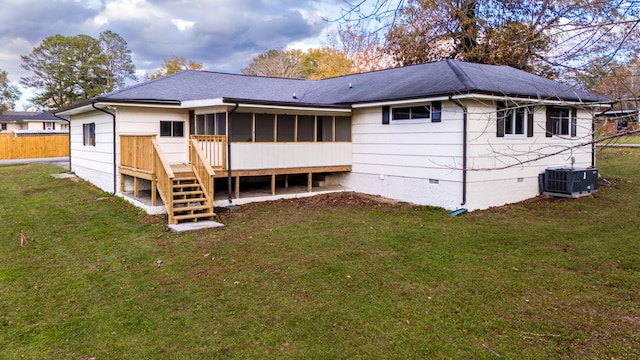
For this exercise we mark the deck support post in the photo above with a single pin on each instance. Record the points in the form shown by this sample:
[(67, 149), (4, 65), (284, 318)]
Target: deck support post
[(309, 182), (273, 184), (135, 187), (154, 189), (237, 187), (286, 181)]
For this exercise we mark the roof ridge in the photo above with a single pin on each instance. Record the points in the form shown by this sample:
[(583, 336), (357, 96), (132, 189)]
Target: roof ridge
[(461, 74), (143, 83)]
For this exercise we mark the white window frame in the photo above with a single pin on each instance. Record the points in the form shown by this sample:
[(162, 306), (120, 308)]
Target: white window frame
[(173, 124), (512, 117), (557, 121), (89, 134), (411, 119)]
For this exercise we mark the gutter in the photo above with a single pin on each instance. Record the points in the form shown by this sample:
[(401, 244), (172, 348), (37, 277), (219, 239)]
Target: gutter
[(464, 149), (115, 173), (68, 122), (229, 180)]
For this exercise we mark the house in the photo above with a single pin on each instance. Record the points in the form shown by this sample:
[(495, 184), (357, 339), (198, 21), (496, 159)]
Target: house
[(31, 122), (622, 117), (449, 134)]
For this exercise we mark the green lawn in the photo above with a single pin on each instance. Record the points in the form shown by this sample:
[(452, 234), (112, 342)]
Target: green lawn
[(339, 276)]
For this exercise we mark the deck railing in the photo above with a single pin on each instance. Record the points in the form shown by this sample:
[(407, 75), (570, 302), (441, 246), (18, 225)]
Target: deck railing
[(136, 151), (214, 148), (164, 175), (202, 169)]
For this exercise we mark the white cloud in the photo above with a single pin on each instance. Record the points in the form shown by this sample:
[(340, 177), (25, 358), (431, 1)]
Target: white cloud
[(183, 25), (224, 35)]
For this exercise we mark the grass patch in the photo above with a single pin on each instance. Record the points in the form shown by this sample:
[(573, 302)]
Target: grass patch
[(339, 276)]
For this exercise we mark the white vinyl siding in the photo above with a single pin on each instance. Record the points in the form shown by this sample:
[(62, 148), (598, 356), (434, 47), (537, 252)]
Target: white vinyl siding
[(416, 162)]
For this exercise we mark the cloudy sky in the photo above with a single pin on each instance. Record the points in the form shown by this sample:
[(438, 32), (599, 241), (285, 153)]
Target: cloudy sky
[(224, 35)]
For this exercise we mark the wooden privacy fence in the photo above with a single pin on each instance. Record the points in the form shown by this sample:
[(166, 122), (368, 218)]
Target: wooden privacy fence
[(33, 146)]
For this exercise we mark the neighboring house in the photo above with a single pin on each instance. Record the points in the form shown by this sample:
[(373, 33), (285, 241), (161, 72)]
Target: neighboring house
[(31, 122), (449, 134), (623, 116)]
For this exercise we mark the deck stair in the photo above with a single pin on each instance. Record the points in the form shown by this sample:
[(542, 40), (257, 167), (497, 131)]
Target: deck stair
[(189, 201)]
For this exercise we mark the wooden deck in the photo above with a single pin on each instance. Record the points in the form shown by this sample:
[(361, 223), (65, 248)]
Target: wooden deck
[(177, 184)]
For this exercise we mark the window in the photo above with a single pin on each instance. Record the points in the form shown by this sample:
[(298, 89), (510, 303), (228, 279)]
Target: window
[(286, 128), (47, 125), (514, 120), (306, 124), (561, 121), (343, 128), (172, 128), (422, 112), (3, 126), (221, 123), (200, 125), (241, 127), (413, 114), (325, 128), (265, 129), (89, 134)]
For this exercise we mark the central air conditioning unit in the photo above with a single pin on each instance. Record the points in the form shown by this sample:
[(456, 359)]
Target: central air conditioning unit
[(567, 182)]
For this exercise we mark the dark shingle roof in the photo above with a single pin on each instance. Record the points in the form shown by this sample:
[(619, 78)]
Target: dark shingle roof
[(19, 116), (441, 78)]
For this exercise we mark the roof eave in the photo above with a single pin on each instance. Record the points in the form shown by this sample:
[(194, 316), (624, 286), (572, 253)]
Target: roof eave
[(287, 105), (87, 105), (479, 95)]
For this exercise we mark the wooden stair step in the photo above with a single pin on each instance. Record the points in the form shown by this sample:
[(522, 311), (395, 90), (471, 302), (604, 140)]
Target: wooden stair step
[(184, 186), (191, 208), (196, 199), (194, 216), (181, 193), (184, 177)]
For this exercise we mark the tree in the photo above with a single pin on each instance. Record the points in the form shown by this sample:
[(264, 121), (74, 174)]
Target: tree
[(173, 65), (67, 69), (277, 63), (296, 64), (119, 66), (364, 49), (324, 63), (9, 93), (75, 68), (544, 37)]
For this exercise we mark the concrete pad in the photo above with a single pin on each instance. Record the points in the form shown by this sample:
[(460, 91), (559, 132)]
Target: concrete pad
[(193, 226), (64, 176), (252, 197)]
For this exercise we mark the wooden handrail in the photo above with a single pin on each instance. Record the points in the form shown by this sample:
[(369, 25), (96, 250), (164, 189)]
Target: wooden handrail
[(136, 151), (202, 169), (165, 176), (214, 148)]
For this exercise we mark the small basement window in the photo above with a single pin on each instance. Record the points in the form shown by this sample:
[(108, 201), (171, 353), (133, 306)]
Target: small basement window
[(172, 128)]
